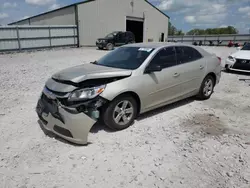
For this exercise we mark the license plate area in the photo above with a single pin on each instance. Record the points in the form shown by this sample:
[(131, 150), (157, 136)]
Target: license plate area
[(48, 106)]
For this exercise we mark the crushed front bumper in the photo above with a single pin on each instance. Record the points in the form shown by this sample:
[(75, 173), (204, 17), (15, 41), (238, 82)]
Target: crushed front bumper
[(66, 123)]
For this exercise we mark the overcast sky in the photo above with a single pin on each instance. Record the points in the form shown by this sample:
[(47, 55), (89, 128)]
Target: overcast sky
[(185, 14)]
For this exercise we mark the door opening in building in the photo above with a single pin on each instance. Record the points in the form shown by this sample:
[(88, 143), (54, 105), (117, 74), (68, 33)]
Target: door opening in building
[(162, 37), (135, 27)]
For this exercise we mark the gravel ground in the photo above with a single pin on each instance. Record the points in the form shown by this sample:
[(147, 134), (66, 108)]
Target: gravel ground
[(187, 144)]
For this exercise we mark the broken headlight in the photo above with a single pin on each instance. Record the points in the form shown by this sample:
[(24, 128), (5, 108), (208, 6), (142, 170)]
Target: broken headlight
[(87, 93)]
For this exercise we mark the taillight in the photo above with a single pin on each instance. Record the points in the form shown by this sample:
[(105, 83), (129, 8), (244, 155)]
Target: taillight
[(219, 59)]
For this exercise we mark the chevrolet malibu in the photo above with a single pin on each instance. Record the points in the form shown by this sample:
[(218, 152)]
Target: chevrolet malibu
[(126, 82)]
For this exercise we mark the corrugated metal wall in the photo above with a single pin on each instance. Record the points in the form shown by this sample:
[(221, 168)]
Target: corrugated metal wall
[(33, 37), (240, 38)]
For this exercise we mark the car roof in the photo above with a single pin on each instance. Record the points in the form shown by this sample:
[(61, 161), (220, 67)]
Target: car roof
[(157, 45)]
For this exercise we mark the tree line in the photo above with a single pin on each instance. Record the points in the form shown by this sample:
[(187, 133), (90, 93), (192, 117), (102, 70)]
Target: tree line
[(172, 30)]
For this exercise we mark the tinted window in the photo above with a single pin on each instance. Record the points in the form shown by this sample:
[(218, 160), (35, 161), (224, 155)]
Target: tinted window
[(125, 58), (187, 54), (111, 35), (246, 46), (166, 58)]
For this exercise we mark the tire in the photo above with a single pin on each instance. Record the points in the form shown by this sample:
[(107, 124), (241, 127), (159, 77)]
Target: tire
[(226, 69), (110, 46), (115, 109), (208, 83)]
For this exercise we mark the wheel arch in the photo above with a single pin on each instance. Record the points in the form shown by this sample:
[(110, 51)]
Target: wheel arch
[(135, 96), (213, 75)]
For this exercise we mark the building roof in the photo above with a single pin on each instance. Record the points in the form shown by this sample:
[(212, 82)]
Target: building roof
[(157, 8), (71, 5), (86, 1)]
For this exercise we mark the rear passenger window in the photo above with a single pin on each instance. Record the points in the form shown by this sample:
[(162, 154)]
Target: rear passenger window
[(165, 58), (187, 54)]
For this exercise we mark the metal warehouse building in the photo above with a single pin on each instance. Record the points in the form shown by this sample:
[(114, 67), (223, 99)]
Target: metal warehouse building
[(97, 18)]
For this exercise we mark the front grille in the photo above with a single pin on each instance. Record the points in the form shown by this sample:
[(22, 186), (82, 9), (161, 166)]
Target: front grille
[(58, 94), (48, 100), (51, 106), (63, 131), (242, 64)]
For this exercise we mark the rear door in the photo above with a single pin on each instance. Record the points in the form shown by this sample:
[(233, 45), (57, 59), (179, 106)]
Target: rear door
[(192, 69), (163, 86), (129, 37), (120, 39)]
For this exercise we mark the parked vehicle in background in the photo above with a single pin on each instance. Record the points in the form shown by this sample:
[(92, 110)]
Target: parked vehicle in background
[(126, 82), (239, 61), (117, 38), (231, 44)]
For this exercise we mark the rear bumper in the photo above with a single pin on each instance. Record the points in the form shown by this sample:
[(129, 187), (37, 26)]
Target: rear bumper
[(218, 76), (70, 125)]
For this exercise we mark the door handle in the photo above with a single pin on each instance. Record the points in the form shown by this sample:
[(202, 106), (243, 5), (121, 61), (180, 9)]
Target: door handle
[(201, 67), (176, 74)]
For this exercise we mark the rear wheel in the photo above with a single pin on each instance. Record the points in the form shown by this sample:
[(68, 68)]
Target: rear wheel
[(207, 88), (120, 113), (110, 46)]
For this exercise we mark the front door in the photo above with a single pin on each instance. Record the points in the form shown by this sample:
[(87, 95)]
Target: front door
[(163, 86), (192, 69)]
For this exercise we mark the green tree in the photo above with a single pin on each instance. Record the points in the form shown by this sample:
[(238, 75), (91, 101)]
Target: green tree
[(171, 29), (213, 31), (180, 32)]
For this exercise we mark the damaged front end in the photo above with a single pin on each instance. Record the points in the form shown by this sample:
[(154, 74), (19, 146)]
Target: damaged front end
[(70, 103), (71, 122), (69, 119)]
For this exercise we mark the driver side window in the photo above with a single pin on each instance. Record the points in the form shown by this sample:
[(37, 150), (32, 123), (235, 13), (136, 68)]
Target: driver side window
[(165, 58)]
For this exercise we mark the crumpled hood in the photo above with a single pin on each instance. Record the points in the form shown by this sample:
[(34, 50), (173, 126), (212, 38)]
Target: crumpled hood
[(242, 54), (84, 72)]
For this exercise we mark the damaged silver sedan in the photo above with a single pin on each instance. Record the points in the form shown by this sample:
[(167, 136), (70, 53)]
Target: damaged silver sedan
[(126, 82)]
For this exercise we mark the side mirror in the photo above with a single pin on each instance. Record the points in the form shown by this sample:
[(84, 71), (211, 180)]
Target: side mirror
[(153, 68)]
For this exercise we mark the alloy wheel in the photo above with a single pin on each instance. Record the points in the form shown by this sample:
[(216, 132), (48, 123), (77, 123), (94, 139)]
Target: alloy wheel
[(123, 112), (208, 89)]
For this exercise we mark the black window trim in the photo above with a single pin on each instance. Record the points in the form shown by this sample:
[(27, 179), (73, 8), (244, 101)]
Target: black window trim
[(187, 61)]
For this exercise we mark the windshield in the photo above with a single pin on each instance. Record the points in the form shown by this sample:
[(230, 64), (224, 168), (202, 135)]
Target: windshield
[(111, 35), (125, 58), (246, 47)]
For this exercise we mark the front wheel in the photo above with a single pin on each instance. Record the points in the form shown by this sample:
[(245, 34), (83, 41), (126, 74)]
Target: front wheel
[(207, 88), (110, 46), (120, 113)]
